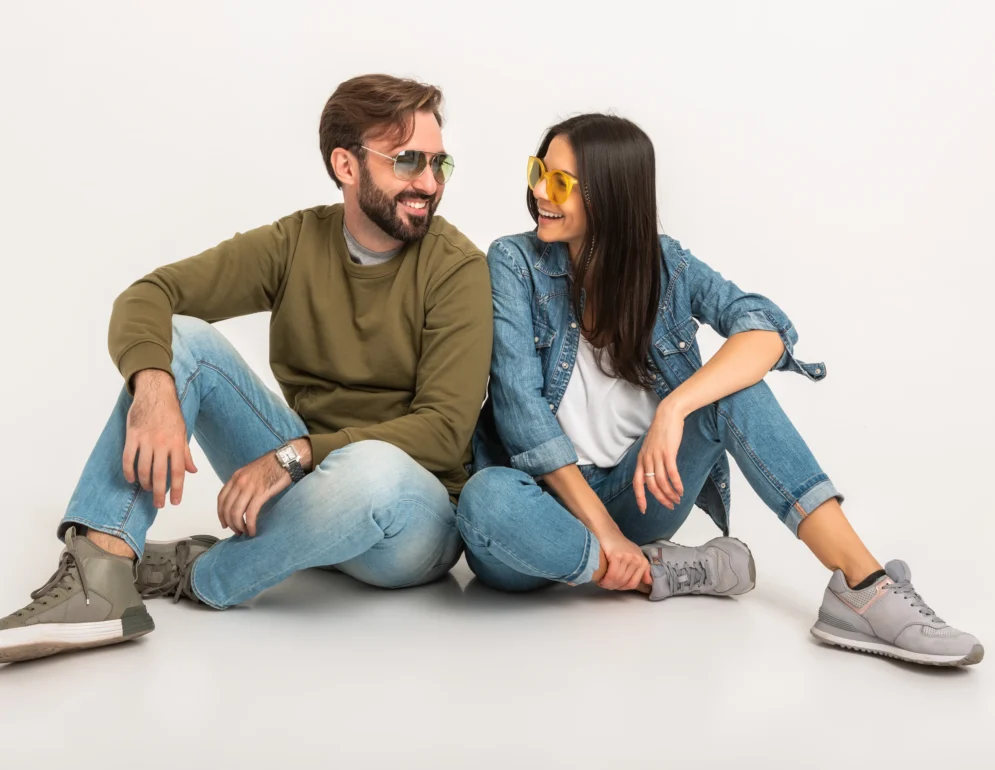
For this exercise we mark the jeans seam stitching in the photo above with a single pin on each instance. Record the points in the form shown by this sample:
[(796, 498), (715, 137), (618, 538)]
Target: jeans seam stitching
[(129, 508), (237, 389), (788, 497)]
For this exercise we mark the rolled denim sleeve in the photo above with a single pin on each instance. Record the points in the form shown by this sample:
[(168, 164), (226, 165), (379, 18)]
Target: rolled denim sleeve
[(729, 310), (525, 423)]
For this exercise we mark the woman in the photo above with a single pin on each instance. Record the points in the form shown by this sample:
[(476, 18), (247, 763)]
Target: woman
[(603, 428)]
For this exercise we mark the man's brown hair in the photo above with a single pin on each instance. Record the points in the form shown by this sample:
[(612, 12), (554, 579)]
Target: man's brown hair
[(373, 106)]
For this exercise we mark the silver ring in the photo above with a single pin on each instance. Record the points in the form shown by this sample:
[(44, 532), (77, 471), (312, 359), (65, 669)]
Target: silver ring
[(649, 474)]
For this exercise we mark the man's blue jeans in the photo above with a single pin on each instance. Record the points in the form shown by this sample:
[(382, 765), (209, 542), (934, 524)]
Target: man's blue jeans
[(368, 508), (519, 537)]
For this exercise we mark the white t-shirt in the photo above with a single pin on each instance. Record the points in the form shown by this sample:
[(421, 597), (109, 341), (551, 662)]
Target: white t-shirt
[(603, 416)]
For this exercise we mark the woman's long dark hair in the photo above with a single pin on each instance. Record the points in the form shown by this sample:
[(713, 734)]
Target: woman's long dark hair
[(621, 260)]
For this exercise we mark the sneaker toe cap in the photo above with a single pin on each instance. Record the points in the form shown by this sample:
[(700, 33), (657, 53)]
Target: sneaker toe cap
[(940, 641)]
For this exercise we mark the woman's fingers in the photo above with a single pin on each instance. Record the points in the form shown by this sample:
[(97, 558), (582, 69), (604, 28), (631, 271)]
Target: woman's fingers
[(639, 487), (670, 463), (664, 482), (654, 488), (638, 573)]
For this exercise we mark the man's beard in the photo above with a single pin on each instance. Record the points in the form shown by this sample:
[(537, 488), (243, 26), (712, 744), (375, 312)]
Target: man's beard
[(382, 209)]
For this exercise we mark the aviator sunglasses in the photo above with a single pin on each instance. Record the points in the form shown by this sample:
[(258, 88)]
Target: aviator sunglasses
[(411, 164)]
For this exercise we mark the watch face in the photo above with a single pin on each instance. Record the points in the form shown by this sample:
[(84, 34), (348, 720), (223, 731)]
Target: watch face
[(285, 454)]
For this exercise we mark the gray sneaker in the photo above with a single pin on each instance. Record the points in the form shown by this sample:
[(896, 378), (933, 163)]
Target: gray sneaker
[(890, 618), (165, 567), (90, 601), (721, 567)]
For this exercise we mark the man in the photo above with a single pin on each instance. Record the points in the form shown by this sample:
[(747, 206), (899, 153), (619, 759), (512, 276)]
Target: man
[(380, 338)]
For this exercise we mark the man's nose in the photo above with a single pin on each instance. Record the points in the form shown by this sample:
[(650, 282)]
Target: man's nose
[(426, 182)]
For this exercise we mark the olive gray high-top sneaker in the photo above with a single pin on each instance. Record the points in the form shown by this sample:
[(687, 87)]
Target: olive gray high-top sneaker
[(890, 618), (90, 601), (166, 566)]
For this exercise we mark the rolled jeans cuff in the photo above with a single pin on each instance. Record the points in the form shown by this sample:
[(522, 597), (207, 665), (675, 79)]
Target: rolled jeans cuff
[(808, 502), (588, 564)]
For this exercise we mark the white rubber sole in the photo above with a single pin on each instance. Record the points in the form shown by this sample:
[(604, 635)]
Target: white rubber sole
[(890, 651), (43, 639)]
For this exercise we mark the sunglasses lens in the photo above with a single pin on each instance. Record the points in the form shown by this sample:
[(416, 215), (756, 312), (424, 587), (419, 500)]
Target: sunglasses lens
[(534, 172), (442, 168), (409, 165), (558, 187)]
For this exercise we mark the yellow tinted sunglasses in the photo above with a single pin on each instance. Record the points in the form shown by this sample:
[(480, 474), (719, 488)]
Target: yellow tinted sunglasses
[(559, 184)]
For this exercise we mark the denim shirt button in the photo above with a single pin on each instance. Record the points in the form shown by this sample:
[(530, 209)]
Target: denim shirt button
[(537, 339), (565, 365), (682, 345), (573, 325), (818, 371), (551, 407), (723, 485)]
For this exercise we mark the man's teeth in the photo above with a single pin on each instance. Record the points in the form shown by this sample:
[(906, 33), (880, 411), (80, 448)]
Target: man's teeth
[(415, 204), (550, 214)]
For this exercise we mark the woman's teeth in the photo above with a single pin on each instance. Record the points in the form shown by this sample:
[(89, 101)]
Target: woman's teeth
[(550, 214)]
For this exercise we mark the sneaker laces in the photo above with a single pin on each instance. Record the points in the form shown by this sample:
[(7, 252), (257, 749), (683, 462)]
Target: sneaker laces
[(177, 582), (61, 578), (684, 577), (904, 588)]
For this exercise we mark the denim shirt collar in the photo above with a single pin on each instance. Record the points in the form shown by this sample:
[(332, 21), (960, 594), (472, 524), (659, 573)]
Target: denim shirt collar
[(554, 258)]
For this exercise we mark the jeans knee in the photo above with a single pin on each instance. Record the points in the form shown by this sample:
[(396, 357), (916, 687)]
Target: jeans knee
[(755, 397), (383, 473), (379, 457), (419, 545), (369, 479), (477, 511)]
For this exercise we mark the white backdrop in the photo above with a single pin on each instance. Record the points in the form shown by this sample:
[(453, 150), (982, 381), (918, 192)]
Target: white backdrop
[(840, 162), (837, 158)]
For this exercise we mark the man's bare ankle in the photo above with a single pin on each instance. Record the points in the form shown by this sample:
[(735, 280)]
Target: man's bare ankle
[(109, 543)]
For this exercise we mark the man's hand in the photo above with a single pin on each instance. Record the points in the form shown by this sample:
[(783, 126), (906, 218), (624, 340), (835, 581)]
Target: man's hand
[(157, 436), (251, 487)]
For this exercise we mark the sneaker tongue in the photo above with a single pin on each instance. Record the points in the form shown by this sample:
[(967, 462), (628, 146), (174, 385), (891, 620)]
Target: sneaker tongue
[(898, 571)]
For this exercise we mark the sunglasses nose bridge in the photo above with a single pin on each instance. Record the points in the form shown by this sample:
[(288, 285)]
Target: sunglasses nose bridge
[(425, 183), (540, 189)]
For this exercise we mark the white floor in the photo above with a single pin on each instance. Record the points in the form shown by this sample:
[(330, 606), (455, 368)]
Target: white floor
[(322, 671)]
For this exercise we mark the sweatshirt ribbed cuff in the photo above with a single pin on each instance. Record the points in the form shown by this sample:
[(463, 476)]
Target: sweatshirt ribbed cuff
[(323, 444), (144, 355)]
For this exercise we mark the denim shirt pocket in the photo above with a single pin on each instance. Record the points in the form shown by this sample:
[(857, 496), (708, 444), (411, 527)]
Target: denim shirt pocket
[(679, 351), (543, 338)]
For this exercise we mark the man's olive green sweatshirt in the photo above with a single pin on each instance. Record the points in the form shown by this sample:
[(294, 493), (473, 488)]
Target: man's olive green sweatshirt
[(396, 352)]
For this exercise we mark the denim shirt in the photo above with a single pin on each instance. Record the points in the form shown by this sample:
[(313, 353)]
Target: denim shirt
[(536, 335)]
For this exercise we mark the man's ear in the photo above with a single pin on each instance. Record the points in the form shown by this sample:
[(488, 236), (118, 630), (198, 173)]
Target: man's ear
[(346, 166)]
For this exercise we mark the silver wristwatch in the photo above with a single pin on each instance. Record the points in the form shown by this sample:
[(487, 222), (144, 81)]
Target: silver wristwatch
[(291, 461)]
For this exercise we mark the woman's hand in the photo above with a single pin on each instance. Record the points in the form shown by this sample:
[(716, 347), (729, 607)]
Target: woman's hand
[(656, 467), (627, 564)]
